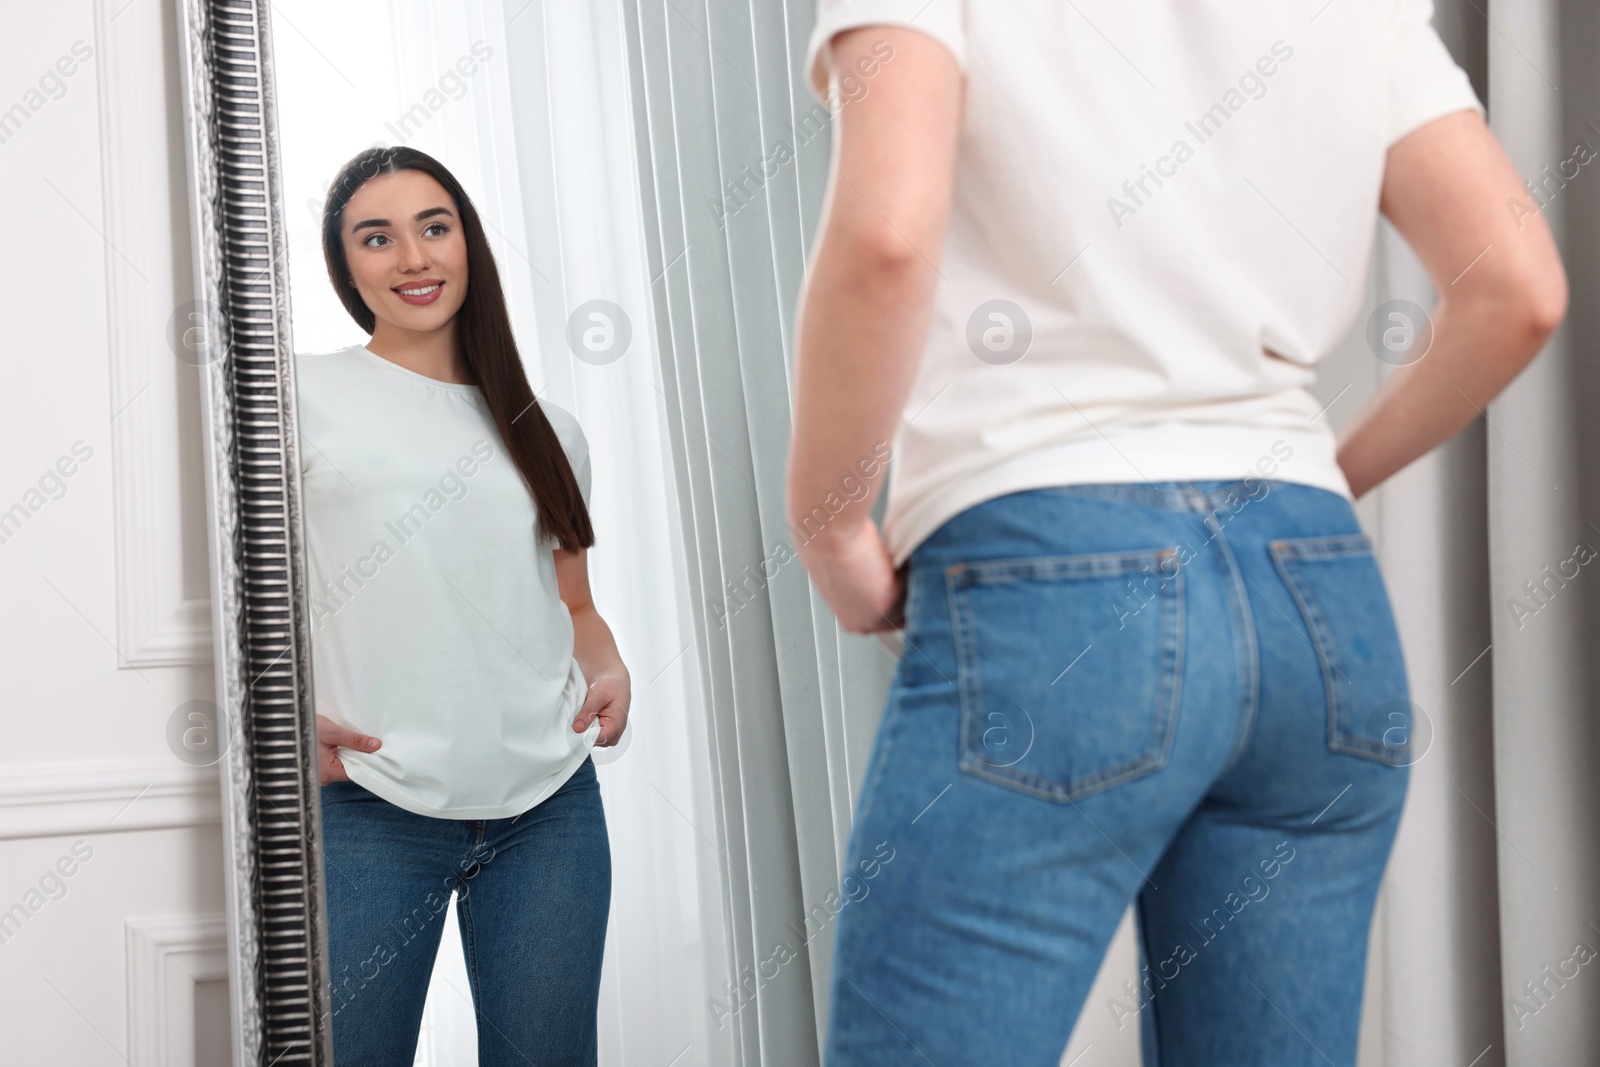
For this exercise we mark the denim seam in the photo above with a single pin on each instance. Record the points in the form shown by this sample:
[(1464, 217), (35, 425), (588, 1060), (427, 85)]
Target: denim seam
[(464, 918), (1334, 546), (969, 688), (1088, 565), (1321, 634), (1246, 649)]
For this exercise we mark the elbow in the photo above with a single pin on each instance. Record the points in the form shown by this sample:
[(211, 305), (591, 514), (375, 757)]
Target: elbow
[(883, 257), (1534, 311), (1536, 296), (1522, 310), (1545, 302)]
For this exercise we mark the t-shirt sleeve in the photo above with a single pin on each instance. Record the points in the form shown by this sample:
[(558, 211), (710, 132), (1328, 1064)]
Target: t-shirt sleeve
[(940, 19), (584, 472), (576, 446), (1425, 82)]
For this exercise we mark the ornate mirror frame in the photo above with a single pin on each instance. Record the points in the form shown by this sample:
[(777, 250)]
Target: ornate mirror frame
[(239, 333)]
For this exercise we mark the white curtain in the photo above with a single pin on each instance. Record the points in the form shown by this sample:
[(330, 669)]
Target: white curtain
[(665, 953)]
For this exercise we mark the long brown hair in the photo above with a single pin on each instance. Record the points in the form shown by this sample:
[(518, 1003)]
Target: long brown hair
[(483, 334)]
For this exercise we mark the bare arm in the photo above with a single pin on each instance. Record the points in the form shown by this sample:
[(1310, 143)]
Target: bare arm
[(595, 649), (867, 303), (1502, 293)]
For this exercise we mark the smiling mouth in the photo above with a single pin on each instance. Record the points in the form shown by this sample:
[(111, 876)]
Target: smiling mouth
[(420, 292)]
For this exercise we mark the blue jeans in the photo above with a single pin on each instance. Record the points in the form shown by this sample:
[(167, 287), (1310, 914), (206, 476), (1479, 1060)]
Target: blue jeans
[(1187, 695), (534, 892)]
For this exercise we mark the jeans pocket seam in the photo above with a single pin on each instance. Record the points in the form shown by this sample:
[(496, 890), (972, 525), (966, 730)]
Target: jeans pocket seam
[(1329, 546), (1338, 546), (961, 578)]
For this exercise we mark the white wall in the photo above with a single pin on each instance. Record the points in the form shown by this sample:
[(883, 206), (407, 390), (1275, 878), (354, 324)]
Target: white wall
[(102, 574)]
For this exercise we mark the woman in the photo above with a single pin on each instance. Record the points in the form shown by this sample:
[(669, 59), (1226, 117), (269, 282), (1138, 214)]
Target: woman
[(1080, 265), (462, 673)]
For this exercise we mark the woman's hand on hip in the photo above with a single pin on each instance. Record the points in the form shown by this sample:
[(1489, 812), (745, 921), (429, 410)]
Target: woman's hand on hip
[(330, 738), (856, 576), (610, 694)]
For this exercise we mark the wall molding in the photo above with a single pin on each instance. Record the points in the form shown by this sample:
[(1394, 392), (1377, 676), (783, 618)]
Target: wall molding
[(103, 797), (167, 957), (157, 475)]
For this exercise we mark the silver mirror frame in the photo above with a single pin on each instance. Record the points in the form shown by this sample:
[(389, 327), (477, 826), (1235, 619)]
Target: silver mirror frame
[(271, 822)]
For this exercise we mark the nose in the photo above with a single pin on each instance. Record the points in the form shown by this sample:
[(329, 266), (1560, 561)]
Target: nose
[(413, 257)]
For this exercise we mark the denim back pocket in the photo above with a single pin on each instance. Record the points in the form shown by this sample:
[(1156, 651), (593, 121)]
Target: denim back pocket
[(1340, 591), (1068, 668)]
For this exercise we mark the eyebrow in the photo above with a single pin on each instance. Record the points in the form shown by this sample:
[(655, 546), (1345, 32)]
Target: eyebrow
[(427, 213)]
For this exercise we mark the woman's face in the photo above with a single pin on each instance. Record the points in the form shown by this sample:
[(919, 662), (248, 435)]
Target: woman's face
[(406, 252)]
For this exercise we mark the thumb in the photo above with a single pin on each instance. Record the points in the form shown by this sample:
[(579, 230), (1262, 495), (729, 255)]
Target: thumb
[(592, 704), (331, 733)]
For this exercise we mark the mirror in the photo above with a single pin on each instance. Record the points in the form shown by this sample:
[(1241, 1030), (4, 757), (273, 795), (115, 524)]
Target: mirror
[(422, 414), (450, 643), (448, 485), (652, 322)]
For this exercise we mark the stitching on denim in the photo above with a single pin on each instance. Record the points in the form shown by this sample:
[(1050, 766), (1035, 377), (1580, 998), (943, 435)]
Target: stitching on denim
[(1321, 634), (464, 922), (1324, 660), (1169, 663), (1172, 663), (1085, 565), (953, 593), (1334, 546), (1250, 682)]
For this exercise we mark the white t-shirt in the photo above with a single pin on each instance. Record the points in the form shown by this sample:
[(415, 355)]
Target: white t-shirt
[(1149, 195), (437, 623)]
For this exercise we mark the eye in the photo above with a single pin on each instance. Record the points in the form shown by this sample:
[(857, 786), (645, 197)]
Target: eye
[(375, 237), (441, 227)]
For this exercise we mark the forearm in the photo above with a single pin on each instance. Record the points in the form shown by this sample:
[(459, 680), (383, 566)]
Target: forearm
[(864, 319), (1481, 342), (1451, 192), (593, 645)]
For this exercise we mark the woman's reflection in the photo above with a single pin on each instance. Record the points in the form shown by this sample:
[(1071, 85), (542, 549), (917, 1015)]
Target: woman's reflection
[(462, 672)]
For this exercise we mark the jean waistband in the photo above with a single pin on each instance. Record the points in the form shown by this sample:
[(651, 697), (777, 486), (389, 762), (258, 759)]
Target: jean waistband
[(1200, 496)]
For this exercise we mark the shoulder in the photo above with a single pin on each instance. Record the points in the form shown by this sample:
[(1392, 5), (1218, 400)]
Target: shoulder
[(573, 443), (325, 366)]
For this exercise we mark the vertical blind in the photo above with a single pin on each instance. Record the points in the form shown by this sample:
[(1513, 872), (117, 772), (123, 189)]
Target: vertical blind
[(732, 184)]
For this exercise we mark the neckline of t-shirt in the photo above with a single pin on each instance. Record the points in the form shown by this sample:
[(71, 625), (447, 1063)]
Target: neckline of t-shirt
[(454, 387)]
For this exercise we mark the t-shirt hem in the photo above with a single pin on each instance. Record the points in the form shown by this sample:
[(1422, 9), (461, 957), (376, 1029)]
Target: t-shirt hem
[(387, 790)]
